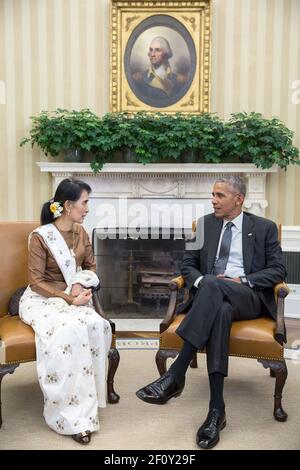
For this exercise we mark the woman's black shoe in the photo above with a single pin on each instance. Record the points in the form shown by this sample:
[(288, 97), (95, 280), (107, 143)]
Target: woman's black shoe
[(82, 437)]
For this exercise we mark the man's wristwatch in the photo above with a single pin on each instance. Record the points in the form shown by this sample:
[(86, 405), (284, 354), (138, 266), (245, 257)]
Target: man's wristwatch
[(244, 281)]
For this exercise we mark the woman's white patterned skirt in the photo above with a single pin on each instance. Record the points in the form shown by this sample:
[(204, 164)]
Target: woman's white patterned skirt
[(72, 344)]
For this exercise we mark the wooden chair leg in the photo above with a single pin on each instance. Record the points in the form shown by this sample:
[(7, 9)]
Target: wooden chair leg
[(161, 359), (6, 369), (194, 363), (280, 370), (281, 375), (272, 373), (113, 363)]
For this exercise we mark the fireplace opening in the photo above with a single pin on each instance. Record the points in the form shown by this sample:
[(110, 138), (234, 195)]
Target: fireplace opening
[(134, 272)]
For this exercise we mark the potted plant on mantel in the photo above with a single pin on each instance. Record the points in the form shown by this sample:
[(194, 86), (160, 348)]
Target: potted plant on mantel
[(135, 138), (192, 138), (158, 137), (250, 138), (68, 132)]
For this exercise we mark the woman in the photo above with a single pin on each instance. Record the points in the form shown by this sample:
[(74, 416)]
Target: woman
[(72, 340)]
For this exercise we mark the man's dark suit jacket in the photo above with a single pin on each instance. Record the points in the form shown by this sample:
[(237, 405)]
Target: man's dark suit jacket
[(263, 260)]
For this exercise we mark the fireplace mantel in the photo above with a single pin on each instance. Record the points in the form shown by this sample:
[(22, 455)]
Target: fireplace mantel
[(179, 182), (158, 169), (161, 182)]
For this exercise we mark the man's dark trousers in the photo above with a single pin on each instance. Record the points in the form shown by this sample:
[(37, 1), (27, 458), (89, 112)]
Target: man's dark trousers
[(217, 303)]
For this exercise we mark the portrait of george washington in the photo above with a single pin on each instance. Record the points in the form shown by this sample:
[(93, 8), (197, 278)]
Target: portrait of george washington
[(160, 61)]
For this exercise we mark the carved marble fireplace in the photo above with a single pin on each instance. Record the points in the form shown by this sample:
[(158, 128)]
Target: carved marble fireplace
[(141, 214), (155, 184)]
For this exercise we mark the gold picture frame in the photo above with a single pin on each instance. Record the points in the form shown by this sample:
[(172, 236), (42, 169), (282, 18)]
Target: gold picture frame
[(160, 56)]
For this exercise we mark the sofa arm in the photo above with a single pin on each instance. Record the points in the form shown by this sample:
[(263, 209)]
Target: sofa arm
[(281, 291)]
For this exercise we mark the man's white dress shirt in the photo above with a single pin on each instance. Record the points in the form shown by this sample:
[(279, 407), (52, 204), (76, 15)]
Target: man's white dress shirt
[(235, 264)]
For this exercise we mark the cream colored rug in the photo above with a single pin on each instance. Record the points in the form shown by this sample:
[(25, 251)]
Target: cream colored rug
[(133, 424)]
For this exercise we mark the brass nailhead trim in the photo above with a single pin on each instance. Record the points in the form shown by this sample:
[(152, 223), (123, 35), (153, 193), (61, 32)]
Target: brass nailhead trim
[(241, 355), (17, 362)]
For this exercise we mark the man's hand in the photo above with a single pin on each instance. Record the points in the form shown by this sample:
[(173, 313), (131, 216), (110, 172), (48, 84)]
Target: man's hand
[(233, 279), (83, 297)]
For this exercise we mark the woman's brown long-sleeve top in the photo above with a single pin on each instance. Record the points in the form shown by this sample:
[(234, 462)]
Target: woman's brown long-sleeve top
[(45, 277)]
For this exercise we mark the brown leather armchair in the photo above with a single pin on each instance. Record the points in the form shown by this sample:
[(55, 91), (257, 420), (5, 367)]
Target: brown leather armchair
[(17, 342), (260, 339)]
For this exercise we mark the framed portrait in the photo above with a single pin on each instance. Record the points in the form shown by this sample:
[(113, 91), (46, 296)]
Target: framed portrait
[(160, 56)]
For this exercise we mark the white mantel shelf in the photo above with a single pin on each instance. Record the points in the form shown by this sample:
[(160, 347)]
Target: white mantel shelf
[(154, 168)]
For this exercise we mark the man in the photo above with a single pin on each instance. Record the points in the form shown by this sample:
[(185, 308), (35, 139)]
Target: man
[(159, 81), (231, 277)]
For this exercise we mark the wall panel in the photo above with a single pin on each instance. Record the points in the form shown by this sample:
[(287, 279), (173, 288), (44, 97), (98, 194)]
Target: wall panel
[(56, 53)]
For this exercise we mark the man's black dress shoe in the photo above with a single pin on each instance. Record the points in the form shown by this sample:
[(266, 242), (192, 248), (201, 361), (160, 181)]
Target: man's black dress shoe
[(161, 390), (208, 435)]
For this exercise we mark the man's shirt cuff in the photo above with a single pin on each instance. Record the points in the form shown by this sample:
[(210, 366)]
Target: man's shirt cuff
[(198, 280)]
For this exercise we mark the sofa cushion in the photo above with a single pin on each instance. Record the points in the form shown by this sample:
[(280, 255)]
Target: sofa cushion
[(248, 338), (13, 306), (17, 341)]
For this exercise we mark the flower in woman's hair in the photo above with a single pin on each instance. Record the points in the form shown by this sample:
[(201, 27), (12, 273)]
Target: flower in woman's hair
[(56, 209)]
